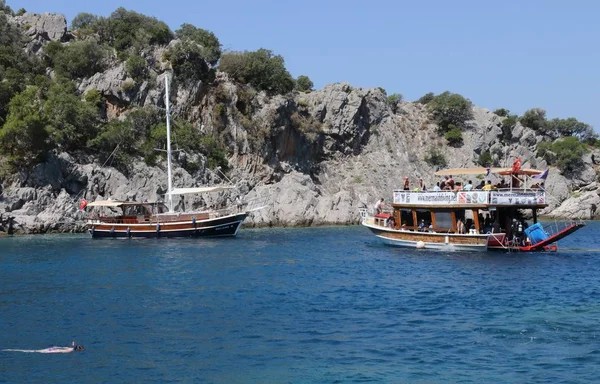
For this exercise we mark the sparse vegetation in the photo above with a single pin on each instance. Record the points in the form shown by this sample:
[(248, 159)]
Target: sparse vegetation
[(565, 153), (304, 84), (262, 69), (426, 98), (435, 158), (450, 109), (485, 159), (502, 112), (454, 136)]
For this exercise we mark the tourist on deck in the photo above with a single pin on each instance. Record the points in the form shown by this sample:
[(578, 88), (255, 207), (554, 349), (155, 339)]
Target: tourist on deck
[(379, 206), (437, 187), (443, 183), (516, 181), (502, 184), (480, 185), (468, 186), (457, 187), (450, 182), (422, 186), (488, 186), (460, 226), (406, 184), (391, 222)]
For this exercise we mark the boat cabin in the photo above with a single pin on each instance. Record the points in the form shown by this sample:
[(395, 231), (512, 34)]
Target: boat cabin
[(472, 212)]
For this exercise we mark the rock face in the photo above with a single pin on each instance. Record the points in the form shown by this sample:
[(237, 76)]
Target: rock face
[(312, 158), (42, 28)]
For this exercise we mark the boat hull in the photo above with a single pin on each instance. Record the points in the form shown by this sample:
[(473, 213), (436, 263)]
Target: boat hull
[(430, 240), (217, 227)]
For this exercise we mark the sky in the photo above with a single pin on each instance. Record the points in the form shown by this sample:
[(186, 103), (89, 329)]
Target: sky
[(514, 54)]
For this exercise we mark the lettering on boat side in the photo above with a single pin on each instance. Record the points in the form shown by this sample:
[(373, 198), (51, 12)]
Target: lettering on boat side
[(517, 198)]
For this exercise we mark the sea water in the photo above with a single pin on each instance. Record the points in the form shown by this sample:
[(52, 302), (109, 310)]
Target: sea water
[(317, 305)]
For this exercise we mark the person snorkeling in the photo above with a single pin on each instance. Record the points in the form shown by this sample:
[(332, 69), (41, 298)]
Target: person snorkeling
[(72, 348)]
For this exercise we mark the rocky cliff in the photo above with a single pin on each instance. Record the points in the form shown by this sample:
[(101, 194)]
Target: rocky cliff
[(316, 157)]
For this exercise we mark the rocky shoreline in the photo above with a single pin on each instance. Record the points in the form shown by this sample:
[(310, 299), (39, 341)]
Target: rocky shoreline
[(328, 153)]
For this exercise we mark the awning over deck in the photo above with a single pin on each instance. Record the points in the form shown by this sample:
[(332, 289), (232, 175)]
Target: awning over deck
[(184, 191), (484, 171), (117, 203)]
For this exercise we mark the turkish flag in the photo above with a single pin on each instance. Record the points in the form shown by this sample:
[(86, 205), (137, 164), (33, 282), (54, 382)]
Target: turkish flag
[(516, 165)]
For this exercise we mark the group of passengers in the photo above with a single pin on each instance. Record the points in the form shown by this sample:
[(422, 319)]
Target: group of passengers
[(448, 184)]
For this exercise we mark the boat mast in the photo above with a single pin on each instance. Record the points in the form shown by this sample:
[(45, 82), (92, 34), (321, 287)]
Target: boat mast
[(170, 182)]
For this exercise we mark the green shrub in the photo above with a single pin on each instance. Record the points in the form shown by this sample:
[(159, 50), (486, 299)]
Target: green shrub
[(71, 121), (137, 68), (454, 136), (570, 127), (124, 30), (23, 138), (21, 12), (395, 98), (210, 45), (83, 20), (565, 153), (76, 60), (450, 109), (214, 152), (93, 97), (485, 159), (535, 119), (426, 98), (502, 112), (128, 86), (508, 124), (435, 158), (261, 69), (187, 60), (304, 84)]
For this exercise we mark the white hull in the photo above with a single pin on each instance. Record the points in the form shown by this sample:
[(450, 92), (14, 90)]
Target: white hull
[(429, 240)]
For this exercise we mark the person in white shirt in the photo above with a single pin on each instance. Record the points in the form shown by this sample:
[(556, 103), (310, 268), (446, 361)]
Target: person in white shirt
[(468, 186), (437, 187), (379, 206)]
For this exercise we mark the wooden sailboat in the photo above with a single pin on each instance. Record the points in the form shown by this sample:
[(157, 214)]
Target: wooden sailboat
[(159, 219)]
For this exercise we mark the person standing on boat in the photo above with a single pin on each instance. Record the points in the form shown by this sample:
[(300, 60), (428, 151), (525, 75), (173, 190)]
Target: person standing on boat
[(468, 186), (379, 206), (406, 184)]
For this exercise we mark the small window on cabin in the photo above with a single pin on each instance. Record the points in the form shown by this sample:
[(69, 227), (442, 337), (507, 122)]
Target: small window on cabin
[(407, 218), (443, 219), (423, 215)]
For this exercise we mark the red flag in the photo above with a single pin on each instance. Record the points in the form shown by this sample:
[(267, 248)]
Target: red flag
[(516, 165), (82, 205)]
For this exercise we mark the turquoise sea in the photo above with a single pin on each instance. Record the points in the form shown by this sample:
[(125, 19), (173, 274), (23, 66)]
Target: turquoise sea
[(316, 305)]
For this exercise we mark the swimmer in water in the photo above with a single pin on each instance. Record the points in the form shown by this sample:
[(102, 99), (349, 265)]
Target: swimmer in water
[(73, 348)]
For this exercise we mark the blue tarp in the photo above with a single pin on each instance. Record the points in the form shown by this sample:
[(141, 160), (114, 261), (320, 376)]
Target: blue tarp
[(536, 233)]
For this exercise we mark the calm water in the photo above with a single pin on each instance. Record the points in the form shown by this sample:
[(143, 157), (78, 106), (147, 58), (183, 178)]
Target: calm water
[(297, 306)]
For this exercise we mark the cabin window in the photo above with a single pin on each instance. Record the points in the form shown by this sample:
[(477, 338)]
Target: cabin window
[(443, 219), (407, 218), (424, 215)]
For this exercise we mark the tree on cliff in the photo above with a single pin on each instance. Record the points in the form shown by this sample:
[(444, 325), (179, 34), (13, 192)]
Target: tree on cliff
[(304, 84), (210, 45), (125, 30), (262, 69), (450, 109), (565, 153), (534, 118), (17, 68), (24, 137), (187, 60)]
